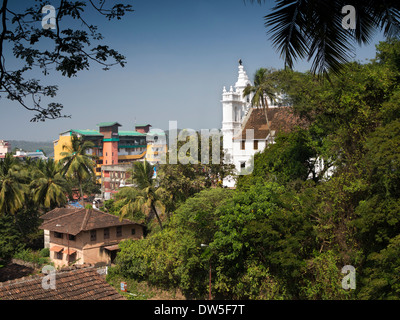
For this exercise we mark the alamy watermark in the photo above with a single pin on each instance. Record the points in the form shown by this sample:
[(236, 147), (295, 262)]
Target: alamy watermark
[(349, 280), (49, 280), (200, 147), (49, 20), (349, 21)]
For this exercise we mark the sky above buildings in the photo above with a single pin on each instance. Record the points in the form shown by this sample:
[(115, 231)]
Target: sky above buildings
[(180, 54)]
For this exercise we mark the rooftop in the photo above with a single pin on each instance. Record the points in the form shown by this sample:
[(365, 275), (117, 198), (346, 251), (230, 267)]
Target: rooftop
[(108, 124), (281, 119), (73, 221), (80, 282), (142, 125), (131, 133)]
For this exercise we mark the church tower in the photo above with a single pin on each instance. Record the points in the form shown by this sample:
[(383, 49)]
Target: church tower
[(234, 108)]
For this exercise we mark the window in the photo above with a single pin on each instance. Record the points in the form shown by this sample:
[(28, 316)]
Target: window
[(58, 235), (92, 235), (255, 144), (58, 255), (133, 231), (243, 145), (71, 237), (106, 233), (119, 231), (242, 165)]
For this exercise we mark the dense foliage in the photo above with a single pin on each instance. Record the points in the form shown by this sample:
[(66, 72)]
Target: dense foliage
[(29, 188), (322, 197)]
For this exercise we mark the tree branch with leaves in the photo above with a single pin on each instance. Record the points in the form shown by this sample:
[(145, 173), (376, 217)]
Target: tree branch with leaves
[(67, 50)]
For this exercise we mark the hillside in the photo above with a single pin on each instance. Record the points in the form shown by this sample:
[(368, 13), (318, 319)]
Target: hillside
[(46, 146)]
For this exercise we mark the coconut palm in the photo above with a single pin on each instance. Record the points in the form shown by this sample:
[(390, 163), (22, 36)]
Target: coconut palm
[(149, 194), (313, 29), (262, 90), (76, 162), (49, 187), (13, 188)]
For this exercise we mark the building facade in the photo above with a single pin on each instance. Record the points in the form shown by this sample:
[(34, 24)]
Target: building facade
[(5, 147), (111, 145), (114, 177), (79, 236)]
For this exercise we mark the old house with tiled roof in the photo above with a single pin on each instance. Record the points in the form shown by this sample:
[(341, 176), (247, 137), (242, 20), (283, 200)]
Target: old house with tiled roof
[(244, 127), (80, 282), (85, 235)]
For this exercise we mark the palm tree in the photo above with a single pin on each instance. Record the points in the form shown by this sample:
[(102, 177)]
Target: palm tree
[(262, 90), (13, 189), (76, 162), (313, 29), (49, 187), (149, 194)]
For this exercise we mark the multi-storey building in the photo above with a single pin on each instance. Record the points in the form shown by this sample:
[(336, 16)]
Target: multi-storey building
[(111, 145)]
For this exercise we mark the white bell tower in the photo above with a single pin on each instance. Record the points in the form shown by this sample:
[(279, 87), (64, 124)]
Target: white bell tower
[(234, 108)]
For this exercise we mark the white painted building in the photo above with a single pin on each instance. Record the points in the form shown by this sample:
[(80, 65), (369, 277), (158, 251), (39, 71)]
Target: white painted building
[(245, 131), (5, 147), (241, 139)]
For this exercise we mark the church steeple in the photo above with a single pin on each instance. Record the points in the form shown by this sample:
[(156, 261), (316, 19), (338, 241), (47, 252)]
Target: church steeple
[(243, 79)]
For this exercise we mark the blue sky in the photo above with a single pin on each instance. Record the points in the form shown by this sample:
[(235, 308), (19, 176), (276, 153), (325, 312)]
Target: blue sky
[(180, 54)]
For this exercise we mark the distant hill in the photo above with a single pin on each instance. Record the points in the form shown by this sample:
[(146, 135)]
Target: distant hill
[(47, 146)]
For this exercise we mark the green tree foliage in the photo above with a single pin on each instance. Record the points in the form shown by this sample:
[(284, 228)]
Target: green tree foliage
[(293, 223), (173, 257), (148, 193), (76, 163), (49, 187), (263, 89)]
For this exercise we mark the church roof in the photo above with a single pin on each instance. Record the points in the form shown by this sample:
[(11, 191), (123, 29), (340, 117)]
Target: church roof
[(281, 119)]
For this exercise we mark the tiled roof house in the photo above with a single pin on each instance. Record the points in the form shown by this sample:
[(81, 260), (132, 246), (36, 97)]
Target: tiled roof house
[(75, 283), (85, 235)]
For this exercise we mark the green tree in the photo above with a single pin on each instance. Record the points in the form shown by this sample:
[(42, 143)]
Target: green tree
[(173, 258), (124, 205), (49, 187), (261, 226), (264, 88), (148, 199), (76, 162), (13, 189)]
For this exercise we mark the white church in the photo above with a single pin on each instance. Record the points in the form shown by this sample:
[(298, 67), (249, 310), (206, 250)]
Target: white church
[(244, 127)]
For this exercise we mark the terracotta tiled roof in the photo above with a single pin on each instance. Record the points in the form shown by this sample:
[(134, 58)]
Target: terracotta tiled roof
[(57, 212), (73, 221), (80, 283), (281, 119)]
